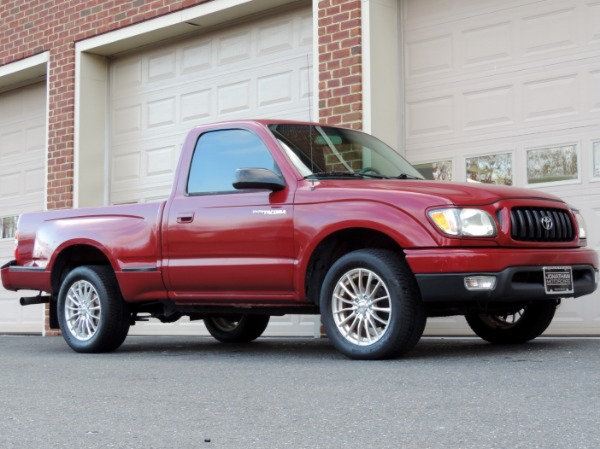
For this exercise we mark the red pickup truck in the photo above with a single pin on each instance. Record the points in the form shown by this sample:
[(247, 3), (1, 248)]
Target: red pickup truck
[(276, 217)]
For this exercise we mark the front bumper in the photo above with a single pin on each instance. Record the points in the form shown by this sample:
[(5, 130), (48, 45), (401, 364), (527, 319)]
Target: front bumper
[(513, 284), (441, 272)]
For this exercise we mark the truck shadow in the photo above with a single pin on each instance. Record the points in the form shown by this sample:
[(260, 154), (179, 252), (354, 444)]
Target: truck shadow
[(320, 348)]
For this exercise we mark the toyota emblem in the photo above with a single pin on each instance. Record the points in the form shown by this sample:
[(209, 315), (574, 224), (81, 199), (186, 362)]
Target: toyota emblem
[(547, 223)]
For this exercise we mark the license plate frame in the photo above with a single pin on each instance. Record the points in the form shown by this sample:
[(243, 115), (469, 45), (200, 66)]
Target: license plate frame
[(558, 280)]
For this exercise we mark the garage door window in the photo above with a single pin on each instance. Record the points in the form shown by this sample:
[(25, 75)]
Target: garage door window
[(8, 227)]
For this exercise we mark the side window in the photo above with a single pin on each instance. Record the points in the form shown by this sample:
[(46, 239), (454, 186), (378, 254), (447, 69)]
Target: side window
[(217, 156)]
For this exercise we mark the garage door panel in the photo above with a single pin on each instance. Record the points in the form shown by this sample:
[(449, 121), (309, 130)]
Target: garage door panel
[(536, 39), (234, 97), (127, 75), (487, 44), (35, 138), (428, 55), (22, 186), (10, 185), (484, 40), (275, 89), (10, 141), (534, 100), (161, 161), (196, 105), (162, 66), (550, 97), (127, 119), (233, 48), (196, 57), (127, 167), (430, 117), (161, 112), (488, 107), (35, 181)]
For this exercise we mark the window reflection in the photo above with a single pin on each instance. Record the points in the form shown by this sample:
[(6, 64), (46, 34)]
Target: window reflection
[(219, 154)]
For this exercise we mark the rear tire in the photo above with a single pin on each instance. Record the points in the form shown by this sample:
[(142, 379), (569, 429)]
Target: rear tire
[(236, 328), (523, 325), (92, 315), (371, 307)]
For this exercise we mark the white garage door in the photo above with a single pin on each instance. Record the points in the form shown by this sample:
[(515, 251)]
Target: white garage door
[(509, 92), (22, 184), (258, 69)]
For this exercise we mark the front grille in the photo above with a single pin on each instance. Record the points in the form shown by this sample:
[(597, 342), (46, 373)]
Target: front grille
[(532, 224)]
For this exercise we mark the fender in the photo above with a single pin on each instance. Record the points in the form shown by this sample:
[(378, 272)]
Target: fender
[(312, 229)]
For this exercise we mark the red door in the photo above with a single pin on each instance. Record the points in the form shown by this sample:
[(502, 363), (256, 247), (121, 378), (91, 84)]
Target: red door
[(224, 244)]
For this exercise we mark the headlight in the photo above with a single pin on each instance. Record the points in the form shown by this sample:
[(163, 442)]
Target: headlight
[(464, 222), (581, 224)]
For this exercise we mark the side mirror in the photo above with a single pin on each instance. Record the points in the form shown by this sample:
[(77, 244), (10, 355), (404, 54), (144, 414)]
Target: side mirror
[(258, 178)]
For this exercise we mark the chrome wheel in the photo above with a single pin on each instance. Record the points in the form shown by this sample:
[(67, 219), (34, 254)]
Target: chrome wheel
[(82, 310), (370, 305), (361, 307)]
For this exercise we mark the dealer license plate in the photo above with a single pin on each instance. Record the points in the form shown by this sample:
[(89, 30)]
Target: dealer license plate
[(558, 280)]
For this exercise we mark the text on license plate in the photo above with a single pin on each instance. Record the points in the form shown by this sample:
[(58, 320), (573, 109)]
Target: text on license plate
[(558, 280)]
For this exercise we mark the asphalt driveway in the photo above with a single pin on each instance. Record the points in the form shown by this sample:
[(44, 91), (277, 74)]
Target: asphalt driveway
[(185, 392)]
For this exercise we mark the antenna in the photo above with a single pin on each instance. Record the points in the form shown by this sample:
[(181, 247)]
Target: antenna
[(310, 119), (309, 86)]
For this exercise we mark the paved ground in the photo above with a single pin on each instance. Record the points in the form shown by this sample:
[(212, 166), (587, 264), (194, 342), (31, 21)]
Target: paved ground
[(185, 392)]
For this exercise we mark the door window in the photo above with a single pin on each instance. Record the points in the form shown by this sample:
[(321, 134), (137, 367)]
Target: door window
[(217, 156)]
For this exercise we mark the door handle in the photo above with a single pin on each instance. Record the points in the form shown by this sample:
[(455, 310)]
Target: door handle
[(184, 218)]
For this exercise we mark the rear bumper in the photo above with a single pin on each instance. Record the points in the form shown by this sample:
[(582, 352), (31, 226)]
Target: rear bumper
[(15, 277), (519, 273)]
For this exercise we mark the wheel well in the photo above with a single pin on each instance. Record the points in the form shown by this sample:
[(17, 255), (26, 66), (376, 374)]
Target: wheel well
[(73, 257), (335, 246)]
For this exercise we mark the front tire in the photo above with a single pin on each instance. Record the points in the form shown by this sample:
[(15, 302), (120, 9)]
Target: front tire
[(92, 315), (523, 325), (371, 307), (236, 328)]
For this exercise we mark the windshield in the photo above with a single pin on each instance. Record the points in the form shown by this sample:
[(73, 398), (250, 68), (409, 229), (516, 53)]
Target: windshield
[(326, 152)]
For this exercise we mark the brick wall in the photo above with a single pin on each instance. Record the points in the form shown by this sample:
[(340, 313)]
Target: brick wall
[(340, 62)]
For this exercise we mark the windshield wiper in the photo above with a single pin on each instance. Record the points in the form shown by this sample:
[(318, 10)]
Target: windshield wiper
[(333, 174), (344, 174), (405, 176)]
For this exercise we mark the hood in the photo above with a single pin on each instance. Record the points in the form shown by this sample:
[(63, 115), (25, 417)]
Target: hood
[(459, 194)]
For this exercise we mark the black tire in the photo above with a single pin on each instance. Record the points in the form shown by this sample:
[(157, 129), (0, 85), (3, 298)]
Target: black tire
[(92, 314), (236, 328), (371, 307), (523, 325)]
